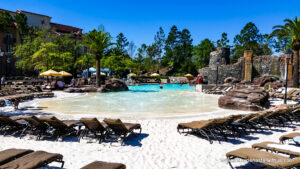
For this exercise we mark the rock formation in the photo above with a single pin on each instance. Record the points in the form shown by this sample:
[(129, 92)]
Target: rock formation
[(248, 99), (113, 85)]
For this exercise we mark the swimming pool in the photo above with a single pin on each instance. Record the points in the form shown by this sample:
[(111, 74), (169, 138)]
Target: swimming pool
[(140, 101)]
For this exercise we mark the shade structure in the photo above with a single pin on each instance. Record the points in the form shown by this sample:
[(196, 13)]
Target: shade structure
[(189, 76), (131, 74), (64, 74), (154, 74), (50, 73)]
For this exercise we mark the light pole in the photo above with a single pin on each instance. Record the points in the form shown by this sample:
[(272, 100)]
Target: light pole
[(288, 55), (217, 63), (1, 55)]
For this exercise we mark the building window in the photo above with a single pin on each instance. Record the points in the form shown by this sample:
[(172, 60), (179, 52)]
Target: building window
[(9, 48)]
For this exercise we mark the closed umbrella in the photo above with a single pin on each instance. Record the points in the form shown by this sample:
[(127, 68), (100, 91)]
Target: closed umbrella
[(50, 73)]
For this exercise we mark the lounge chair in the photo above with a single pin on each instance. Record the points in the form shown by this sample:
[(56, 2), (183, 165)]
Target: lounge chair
[(202, 128), (104, 165), (11, 154), (60, 128), (35, 126), (92, 125), (122, 129), (294, 94), (289, 94), (290, 136), (263, 157), (265, 145), (10, 125), (243, 123), (34, 160)]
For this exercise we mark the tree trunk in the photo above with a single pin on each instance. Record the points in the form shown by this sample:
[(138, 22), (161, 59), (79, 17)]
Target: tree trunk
[(98, 77), (296, 68)]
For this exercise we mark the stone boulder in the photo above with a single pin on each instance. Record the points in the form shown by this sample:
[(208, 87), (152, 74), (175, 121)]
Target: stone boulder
[(113, 85), (89, 89), (230, 80), (165, 71), (248, 99), (263, 80)]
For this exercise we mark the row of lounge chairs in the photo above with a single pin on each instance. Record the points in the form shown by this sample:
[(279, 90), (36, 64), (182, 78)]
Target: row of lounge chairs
[(218, 90), (236, 125), (29, 159), (50, 126), (291, 95), (268, 158)]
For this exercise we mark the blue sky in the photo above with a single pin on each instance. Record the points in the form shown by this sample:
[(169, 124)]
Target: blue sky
[(139, 20)]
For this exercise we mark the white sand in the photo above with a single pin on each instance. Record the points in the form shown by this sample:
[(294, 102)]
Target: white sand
[(159, 146)]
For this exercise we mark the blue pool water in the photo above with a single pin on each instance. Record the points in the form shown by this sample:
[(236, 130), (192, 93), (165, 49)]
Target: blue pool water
[(139, 102), (156, 88)]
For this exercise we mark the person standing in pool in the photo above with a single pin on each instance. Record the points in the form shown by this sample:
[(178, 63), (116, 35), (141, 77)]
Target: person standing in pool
[(161, 86)]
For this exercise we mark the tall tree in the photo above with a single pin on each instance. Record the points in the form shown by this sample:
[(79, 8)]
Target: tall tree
[(98, 41), (171, 43), (250, 39), (201, 53), (159, 43), (291, 30), (31, 44), (223, 42), (121, 45), (183, 53)]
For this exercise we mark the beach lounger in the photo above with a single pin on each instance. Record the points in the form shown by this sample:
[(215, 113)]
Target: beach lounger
[(121, 129), (201, 128), (35, 127), (265, 146), (262, 157), (289, 94), (297, 92), (104, 165), (11, 154), (60, 128), (290, 136), (10, 125), (92, 125), (34, 160), (243, 123)]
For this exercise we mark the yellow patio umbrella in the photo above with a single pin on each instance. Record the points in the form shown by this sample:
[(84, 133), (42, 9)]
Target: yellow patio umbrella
[(50, 73), (154, 74), (189, 76), (64, 74), (131, 74)]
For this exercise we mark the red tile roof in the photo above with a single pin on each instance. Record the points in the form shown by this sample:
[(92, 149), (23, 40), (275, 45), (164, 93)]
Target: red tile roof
[(65, 28)]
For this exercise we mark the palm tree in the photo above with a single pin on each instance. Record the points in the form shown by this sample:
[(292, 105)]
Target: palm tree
[(97, 41), (291, 30)]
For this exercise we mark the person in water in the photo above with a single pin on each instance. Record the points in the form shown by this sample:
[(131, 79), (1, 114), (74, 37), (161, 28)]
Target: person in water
[(160, 86)]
